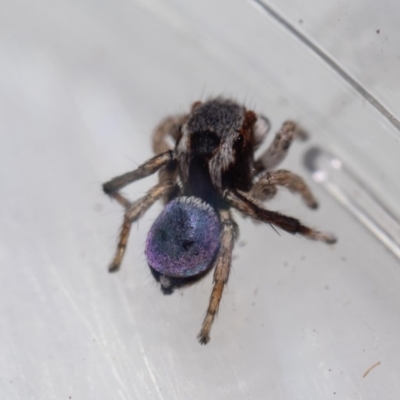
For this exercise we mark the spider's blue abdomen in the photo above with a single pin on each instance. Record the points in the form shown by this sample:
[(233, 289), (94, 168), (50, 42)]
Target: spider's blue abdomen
[(184, 239)]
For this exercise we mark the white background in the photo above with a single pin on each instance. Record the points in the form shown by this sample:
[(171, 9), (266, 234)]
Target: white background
[(82, 85)]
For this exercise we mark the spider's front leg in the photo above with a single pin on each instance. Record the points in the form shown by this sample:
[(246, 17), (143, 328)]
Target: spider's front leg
[(278, 149), (164, 138), (148, 168), (221, 273), (167, 129), (266, 186), (245, 204)]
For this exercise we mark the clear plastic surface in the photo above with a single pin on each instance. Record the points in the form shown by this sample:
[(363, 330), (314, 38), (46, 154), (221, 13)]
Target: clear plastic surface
[(82, 85)]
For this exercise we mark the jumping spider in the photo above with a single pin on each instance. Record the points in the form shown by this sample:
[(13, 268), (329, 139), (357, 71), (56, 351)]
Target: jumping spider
[(210, 169)]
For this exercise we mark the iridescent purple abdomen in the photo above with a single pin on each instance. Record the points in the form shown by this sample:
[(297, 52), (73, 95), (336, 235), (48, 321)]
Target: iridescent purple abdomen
[(184, 239)]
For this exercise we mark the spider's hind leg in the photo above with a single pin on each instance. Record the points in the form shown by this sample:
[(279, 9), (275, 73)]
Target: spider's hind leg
[(221, 273), (134, 212), (248, 206), (136, 209)]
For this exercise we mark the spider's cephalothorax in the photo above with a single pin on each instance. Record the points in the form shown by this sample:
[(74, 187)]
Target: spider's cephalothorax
[(210, 170), (216, 149)]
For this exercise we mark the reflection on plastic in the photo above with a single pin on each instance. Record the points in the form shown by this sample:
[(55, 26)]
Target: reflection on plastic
[(354, 194)]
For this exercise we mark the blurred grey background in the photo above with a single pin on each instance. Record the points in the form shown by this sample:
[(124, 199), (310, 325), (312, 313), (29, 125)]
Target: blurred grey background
[(82, 85)]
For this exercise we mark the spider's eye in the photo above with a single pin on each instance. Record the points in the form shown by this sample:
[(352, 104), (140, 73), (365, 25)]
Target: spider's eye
[(239, 139)]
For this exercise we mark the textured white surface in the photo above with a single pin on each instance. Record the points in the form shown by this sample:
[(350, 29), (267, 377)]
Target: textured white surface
[(81, 87)]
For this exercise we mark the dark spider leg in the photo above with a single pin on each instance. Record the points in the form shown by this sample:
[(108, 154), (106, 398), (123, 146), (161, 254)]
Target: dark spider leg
[(247, 206), (133, 213), (265, 187), (221, 273), (148, 168), (278, 149)]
